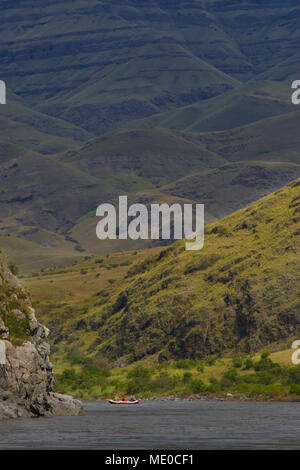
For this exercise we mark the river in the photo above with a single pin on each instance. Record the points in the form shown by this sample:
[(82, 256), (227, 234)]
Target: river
[(162, 425)]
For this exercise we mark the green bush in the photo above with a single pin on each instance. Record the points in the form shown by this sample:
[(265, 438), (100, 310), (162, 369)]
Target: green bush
[(91, 375), (14, 268), (248, 364), (197, 386), (127, 262), (187, 376), (293, 375), (139, 372), (229, 378), (163, 383), (200, 367), (237, 362), (265, 363), (295, 389), (185, 364), (210, 360)]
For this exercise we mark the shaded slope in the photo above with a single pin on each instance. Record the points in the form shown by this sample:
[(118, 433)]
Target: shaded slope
[(159, 76), (233, 186), (25, 127), (150, 153), (100, 65), (245, 104), (274, 139), (36, 190)]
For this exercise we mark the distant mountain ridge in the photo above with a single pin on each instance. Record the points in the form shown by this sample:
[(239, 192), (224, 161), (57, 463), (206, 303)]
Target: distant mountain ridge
[(111, 97)]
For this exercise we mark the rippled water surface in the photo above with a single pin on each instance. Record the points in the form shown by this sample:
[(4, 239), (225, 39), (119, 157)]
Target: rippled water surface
[(162, 425)]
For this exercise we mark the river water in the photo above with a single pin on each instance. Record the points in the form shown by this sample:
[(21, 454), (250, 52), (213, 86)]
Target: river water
[(162, 425)]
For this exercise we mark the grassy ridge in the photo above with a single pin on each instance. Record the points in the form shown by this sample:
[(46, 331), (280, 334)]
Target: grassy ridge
[(238, 294)]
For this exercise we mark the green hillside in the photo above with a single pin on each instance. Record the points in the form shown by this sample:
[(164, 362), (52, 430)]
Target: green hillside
[(239, 294)]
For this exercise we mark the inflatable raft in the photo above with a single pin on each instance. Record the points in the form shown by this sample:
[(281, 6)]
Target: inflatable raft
[(123, 402)]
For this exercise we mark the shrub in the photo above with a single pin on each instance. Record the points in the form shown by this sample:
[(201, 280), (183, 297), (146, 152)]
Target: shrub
[(295, 389), (210, 361), (139, 372), (79, 248), (229, 378), (137, 386), (248, 364), (14, 268), (265, 354), (265, 363), (293, 375), (187, 376), (200, 367), (197, 386), (185, 364), (163, 383), (237, 362), (127, 262)]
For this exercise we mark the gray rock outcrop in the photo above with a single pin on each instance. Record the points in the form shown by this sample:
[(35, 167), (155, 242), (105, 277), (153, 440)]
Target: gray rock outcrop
[(26, 378)]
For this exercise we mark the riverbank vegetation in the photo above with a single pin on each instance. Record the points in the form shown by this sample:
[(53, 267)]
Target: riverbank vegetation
[(248, 377)]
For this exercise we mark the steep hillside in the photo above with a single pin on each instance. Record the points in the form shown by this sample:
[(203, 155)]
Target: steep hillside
[(239, 293)]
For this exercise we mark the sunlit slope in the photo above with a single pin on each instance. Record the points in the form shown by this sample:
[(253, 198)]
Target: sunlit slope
[(241, 292)]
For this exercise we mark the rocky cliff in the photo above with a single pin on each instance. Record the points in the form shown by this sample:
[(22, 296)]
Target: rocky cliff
[(26, 378)]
